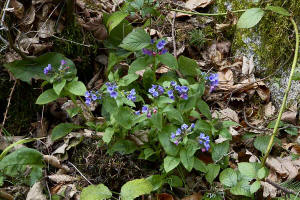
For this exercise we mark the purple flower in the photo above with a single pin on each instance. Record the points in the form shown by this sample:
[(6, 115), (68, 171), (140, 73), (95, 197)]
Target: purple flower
[(113, 94), (172, 97), (163, 51), (173, 135), (138, 112), (144, 109), (173, 83), (176, 142), (214, 81), (184, 96), (94, 97), (87, 94), (132, 92), (149, 114), (178, 88), (147, 52), (161, 44), (131, 97), (155, 94), (160, 89), (184, 127), (204, 140), (184, 89), (63, 62), (47, 69), (192, 126), (170, 92), (178, 131), (152, 41), (88, 101)]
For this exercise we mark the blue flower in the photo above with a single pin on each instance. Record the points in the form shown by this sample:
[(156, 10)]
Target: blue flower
[(152, 41), (88, 101), (87, 94), (178, 132), (178, 88), (147, 52), (184, 96), (132, 92), (192, 126), (138, 112), (173, 83), (113, 94), (184, 127), (160, 89), (173, 135), (47, 69), (163, 51), (204, 140), (170, 92), (184, 89), (131, 97), (155, 94), (94, 97), (144, 109), (161, 44)]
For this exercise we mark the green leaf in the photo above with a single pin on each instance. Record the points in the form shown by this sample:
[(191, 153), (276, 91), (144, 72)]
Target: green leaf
[(157, 120), (136, 40), (200, 165), (156, 181), (163, 101), (248, 169), (291, 130), (250, 18), (187, 160), (278, 10), (262, 173), (109, 132), (174, 181), (123, 147), (174, 115), (124, 117), (27, 69), (148, 152), (213, 171), (203, 126), (254, 187), (126, 80), (149, 78), (296, 76), (62, 129), (228, 177), (115, 19), (191, 147), (170, 163), (73, 111), (187, 66), (47, 97), (76, 88), (241, 188), (109, 104), (204, 109), (261, 143), (58, 86), (169, 60), (164, 139), (95, 192), (140, 64), (135, 188), (227, 124), (220, 150)]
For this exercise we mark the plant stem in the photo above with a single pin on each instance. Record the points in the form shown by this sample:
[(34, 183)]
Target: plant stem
[(207, 14), (275, 130)]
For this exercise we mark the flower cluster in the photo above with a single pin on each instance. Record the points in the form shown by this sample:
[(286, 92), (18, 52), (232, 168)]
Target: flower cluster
[(156, 90), (131, 96), (47, 69), (177, 137), (204, 140), (91, 96), (214, 81), (146, 110), (62, 64), (181, 90), (159, 48), (111, 89)]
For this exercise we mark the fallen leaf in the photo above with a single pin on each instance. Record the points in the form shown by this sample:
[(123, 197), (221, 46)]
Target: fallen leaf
[(193, 4), (59, 178), (289, 117), (162, 70), (226, 114), (164, 196), (248, 65), (283, 166), (34, 2), (195, 196), (268, 189), (263, 91), (46, 29), (68, 191), (269, 110), (18, 8), (225, 79), (36, 192), (54, 161), (30, 16)]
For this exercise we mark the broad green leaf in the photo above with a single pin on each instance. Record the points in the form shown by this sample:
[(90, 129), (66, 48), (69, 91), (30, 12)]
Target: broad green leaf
[(117, 35), (203, 126), (149, 78), (148, 152), (228, 177), (189, 104), (250, 18), (123, 147), (163, 101), (27, 69), (174, 181), (278, 10), (261, 142), (170, 163), (213, 171), (241, 188), (191, 147), (62, 129), (58, 86), (73, 111), (248, 169), (187, 160), (115, 57), (220, 150), (22, 141), (169, 60), (124, 117), (126, 80), (95, 192), (76, 88), (226, 134), (200, 165), (187, 66), (296, 76), (174, 115), (262, 173), (227, 124), (115, 19), (109, 104), (47, 97), (136, 40), (291, 130), (156, 181), (35, 175), (164, 139), (204, 109), (140, 64), (254, 187), (135, 188), (109, 132), (157, 120)]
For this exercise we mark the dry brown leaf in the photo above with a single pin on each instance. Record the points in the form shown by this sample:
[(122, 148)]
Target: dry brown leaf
[(269, 190), (38, 48), (264, 92), (30, 16), (226, 114), (36, 192), (193, 4), (54, 161), (276, 165), (220, 27), (225, 79), (24, 43), (162, 70), (59, 178), (248, 65), (95, 25), (18, 8), (289, 117), (67, 191), (269, 110), (46, 29), (164, 196), (34, 2), (195, 196), (283, 166)]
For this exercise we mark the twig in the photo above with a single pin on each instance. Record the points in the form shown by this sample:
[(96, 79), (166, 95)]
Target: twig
[(79, 172), (280, 187), (207, 14), (269, 148), (251, 126), (3, 14), (7, 107), (5, 195)]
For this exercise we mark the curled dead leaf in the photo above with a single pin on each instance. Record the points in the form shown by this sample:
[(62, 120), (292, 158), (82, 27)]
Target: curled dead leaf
[(289, 117), (18, 8), (46, 29), (30, 16), (269, 110), (36, 192), (195, 196), (248, 65), (194, 4), (226, 114), (62, 178), (225, 79), (164, 196), (35, 2)]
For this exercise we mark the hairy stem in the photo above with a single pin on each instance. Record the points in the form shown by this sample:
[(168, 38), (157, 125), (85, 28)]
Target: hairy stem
[(275, 130), (207, 14)]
